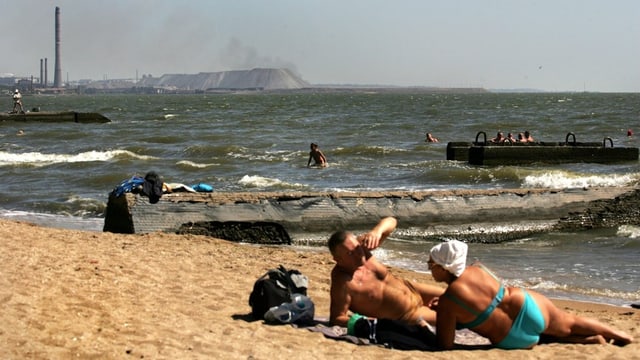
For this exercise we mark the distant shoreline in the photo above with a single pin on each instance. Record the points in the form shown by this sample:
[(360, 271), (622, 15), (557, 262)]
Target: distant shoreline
[(381, 89), (313, 89)]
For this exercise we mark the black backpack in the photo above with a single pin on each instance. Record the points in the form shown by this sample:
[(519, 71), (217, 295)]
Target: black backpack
[(274, 288)]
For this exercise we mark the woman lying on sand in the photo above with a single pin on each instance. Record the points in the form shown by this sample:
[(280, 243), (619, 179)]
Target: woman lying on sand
[(511, 318)]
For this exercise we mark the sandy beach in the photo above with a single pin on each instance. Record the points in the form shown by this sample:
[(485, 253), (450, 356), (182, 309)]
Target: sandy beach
[(77, 294)]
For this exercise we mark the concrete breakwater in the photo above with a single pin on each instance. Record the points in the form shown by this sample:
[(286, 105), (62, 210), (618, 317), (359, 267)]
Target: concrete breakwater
[(56, 116), (471, 215), (549, 153)]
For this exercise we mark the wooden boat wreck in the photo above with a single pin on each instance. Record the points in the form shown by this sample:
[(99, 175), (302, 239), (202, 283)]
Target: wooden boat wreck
[(515, 153), (270, 217), (55, 116)]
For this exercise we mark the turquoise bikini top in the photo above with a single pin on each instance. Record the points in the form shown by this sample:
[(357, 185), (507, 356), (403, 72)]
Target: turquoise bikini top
[(480, 317)]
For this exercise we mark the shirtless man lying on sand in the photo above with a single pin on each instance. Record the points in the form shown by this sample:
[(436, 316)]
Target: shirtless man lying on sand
[(361, 284)]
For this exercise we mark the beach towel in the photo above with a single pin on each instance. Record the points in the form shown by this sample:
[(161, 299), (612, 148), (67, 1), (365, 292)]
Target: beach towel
[(395, 335), (133, 185)]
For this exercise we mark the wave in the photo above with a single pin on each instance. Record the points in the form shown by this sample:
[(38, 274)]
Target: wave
[(269, 156), (369, 151), (629, 231), (254, 181), (191, 164), (568, 180), (40, 159), (79, 206), (610, 296), (73, 207), (55, 220)]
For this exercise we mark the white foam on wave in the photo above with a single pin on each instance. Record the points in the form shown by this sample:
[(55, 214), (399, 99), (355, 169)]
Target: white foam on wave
[(264, 182), (629, 231), (268, 156), (54, 220), (86, 206), (194, 164), (566, 180), (584, 293), (41, 159)]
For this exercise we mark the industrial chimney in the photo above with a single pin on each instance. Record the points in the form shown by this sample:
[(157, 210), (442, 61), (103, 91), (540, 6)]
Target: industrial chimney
[(57, 76)]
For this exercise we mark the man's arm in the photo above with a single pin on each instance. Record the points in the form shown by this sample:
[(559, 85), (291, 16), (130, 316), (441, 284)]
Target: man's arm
[(376, 236), (340, 300)]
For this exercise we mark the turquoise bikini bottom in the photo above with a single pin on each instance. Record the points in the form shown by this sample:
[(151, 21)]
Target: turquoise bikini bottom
[(527, 327)]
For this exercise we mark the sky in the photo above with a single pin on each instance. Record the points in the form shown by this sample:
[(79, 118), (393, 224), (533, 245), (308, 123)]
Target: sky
[(550, 45)]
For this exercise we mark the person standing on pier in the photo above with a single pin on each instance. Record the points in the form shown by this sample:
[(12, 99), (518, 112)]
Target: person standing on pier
[(17, 102)]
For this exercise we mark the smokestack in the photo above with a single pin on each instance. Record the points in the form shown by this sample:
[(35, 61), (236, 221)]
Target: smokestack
[(41, 71), (46, 76), (57, 76)]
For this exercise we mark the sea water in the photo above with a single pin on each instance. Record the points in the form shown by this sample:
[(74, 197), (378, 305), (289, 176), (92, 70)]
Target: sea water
[(60, 174)]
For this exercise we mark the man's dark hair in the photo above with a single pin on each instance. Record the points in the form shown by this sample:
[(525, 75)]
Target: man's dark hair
[(336, 239)]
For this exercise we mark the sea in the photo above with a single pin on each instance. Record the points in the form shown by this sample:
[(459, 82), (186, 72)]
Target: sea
[(60, 174)]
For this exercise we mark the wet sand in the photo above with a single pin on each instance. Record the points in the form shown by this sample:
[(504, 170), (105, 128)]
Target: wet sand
[(78, 294)]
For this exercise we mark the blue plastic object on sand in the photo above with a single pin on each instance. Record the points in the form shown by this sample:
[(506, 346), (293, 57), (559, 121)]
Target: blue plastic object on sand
[(202, 187)]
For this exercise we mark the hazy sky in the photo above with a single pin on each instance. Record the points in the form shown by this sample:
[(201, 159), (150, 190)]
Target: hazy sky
[(555, 45)]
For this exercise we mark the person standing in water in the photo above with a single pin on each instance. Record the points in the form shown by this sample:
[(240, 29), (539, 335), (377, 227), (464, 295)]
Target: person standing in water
[(430, 138), (317, 156)]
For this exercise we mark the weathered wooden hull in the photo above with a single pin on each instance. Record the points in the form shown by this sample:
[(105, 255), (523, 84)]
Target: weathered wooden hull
[(56, 116)]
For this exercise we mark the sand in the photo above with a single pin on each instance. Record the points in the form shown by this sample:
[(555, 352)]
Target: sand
[(78, 294)]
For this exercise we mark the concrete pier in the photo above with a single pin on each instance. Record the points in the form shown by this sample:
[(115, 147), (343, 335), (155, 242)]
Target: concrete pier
[(55, 116), (482, 152), (444, 213)]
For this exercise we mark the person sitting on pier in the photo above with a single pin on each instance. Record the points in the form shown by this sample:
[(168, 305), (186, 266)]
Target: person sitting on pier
[(17, 102), (521, 138), (510, 138), (527, 135), (499, 139)]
